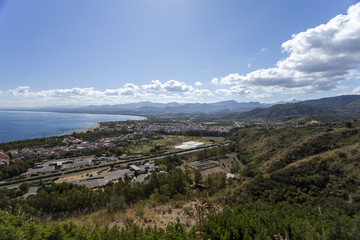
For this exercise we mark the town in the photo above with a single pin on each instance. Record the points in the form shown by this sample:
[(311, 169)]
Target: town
[(95, 163)]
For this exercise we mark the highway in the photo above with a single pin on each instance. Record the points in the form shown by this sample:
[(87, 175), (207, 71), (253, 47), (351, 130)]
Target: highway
[(238, 124), (53, 174)]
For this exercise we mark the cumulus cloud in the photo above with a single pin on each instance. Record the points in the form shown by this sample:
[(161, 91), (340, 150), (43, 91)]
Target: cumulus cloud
[(169, 86), (178, 87), (215, 80), (129, 89), (68, 93), (235, 90), (170, 90), (319, 59), (203, 92), (356, 90), (22, 90)]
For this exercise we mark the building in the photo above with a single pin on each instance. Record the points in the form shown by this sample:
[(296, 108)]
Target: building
[(4, 160)]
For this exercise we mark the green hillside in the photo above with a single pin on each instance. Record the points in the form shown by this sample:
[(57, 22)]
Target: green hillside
[(300, 164), (294, 182), (346, 105)]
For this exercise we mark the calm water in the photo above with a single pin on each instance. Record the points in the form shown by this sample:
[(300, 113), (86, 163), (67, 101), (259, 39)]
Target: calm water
[(26, 125)]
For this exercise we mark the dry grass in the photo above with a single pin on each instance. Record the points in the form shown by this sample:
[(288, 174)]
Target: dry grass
[(327, 154), (76, 177), (209, 171), (148, 215)]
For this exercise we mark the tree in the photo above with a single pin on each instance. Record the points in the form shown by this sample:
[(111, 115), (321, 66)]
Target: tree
[(197, 177)]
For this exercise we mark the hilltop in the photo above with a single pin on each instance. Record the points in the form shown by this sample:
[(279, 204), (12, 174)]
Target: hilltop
[(340, 105)]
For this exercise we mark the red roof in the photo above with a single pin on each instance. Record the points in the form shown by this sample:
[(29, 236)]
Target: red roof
[(3, 156)]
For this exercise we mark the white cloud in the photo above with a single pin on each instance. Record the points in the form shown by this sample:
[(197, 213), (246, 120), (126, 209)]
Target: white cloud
[(203, 92), (129, 89), (170, 97), (156, 85), (169, 86), (356, 90), (215, 80), (68, 93), (319, 59), (238, 90), (128, 93), (19, 91), (235, 90), (178, 87)]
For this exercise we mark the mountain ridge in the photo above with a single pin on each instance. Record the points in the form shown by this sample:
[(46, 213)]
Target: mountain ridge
[(230, 109), (344, 104)]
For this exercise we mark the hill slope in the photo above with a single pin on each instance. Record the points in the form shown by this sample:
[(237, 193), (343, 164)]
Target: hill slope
[(313, 163), (347, 104)]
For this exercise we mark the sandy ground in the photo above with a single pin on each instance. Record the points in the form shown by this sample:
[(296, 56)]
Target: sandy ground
[(90, 129), (76, 177)]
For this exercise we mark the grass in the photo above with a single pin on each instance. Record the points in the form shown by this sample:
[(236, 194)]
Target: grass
[(168, 143), (227, 162), (143, 214)]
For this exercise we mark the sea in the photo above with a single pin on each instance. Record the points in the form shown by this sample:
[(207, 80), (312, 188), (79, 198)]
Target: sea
[(20, 125)]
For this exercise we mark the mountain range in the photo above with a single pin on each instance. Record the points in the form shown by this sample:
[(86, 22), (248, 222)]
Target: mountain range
[(150, 108), (339, 105)]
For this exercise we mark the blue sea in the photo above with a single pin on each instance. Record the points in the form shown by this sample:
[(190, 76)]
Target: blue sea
[(20, 125)]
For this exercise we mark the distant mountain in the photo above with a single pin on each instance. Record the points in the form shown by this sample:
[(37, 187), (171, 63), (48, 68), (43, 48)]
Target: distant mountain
[(340, 105), (346, 104), (150, 108)]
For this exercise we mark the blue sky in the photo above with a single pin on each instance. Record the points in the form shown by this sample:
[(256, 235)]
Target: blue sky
[(66, 52)]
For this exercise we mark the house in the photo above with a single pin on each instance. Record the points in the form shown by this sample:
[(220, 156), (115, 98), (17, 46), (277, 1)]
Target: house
[(14, 154), (3, 163), (134, 168), (38, 165), (58, 165), (231, 176), (4, 156), (131, 175), (4, 159)]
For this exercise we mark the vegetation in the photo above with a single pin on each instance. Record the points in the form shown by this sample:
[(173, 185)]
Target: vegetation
[(37, 142), (95, 135), (262, 221), (15, 168), (293, 183)]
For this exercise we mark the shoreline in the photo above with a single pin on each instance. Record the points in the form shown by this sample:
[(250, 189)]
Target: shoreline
[(88, 129), (34, 126)]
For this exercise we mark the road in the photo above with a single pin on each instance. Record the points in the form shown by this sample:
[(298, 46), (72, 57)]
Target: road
[(238, 124), (52, 175)]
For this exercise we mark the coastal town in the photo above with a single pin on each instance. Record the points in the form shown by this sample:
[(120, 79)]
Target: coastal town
[(72, 146), (94, 163)]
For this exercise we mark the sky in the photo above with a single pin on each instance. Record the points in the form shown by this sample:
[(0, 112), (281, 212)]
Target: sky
[(91, 52)]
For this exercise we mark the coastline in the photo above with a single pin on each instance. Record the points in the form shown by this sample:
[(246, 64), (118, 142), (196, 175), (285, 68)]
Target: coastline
[(25, 125), (97, 126)]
